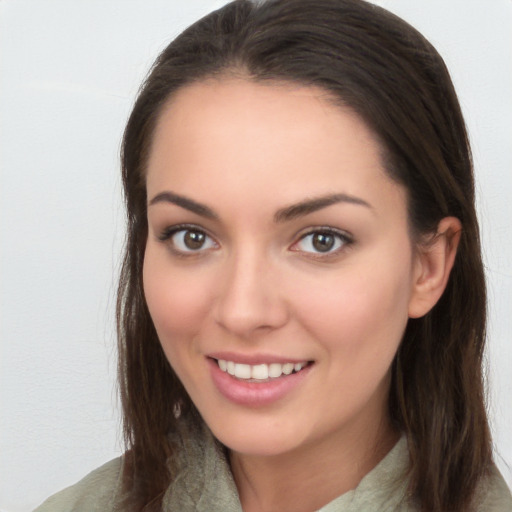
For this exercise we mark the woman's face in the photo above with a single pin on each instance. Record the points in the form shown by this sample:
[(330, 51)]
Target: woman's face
[(278, 250)]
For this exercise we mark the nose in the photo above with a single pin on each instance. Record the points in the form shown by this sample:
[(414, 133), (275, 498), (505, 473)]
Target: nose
[(251, 300)]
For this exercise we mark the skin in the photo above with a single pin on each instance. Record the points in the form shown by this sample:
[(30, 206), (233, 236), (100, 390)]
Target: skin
[(244, 152)]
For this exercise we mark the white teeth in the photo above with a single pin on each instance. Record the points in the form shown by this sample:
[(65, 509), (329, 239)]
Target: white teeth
[(275, 370), (288, 368), (259, 371), (242, 371)]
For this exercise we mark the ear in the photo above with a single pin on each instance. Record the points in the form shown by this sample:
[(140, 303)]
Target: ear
[(434, 262)]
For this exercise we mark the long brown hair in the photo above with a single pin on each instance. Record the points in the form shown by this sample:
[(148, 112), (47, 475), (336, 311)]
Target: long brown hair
[(382, 68)]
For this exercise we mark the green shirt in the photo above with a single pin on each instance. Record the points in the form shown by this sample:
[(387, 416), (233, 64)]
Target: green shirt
[(204, 483)]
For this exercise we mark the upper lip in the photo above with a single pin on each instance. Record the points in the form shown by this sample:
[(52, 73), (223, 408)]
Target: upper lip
[(254, 359)]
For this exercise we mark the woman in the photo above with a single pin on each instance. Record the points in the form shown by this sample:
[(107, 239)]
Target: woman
[(301, 310)]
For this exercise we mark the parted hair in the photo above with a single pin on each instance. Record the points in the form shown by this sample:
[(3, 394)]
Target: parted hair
[(374, 63)]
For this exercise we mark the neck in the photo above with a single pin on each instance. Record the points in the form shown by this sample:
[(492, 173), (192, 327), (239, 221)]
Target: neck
[(310, 477)]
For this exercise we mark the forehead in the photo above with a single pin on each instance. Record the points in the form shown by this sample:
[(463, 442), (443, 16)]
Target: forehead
[(218, 111), (239, 138)]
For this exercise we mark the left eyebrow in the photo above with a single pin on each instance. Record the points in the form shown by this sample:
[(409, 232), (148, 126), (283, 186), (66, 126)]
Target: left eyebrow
[(312, 205)]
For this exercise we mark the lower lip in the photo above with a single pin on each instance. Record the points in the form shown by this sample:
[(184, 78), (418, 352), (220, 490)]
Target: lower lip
[(255, 394)]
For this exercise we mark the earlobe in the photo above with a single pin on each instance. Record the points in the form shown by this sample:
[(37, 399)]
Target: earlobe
[(434, 262)]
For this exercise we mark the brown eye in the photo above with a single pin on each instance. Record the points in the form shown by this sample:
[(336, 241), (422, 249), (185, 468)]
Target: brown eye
[(194, 240), (189, 240), (323, 242)]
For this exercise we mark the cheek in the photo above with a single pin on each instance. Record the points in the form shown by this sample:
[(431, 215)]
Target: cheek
[(176, 298), (360, 313)]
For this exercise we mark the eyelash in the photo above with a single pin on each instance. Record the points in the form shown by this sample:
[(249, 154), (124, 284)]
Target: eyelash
[(342, 239), (168, 233)]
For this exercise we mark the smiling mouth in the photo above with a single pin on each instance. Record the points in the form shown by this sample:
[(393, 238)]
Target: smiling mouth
[(260, 372)]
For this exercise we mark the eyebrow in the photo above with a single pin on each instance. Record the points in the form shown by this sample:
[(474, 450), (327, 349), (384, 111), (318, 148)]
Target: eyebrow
[(184, 202), (282, 215), (312, 205)]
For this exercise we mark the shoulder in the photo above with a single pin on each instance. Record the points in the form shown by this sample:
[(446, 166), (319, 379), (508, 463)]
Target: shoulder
[(94, 493), (493, 494)]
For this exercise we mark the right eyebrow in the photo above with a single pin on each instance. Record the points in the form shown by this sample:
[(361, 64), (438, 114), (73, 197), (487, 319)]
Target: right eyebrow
[(184, 202)]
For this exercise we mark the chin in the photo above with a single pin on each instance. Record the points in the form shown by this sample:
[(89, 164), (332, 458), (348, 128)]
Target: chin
[(257, 439)]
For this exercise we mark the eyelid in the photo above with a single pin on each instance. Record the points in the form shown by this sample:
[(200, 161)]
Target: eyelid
[(346, 238), (167, 233)]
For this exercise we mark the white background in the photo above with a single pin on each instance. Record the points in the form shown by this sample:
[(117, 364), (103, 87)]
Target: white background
[(68, 75)]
